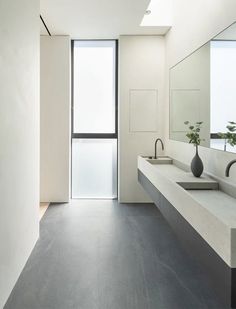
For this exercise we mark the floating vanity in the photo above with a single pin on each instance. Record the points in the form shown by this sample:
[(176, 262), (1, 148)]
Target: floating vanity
[(203, 217)]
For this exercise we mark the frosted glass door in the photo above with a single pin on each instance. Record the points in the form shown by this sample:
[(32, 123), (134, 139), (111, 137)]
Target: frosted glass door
[(94, 172)]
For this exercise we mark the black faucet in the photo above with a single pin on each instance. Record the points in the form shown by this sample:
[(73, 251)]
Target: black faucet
[(228, 167), (162, 145)]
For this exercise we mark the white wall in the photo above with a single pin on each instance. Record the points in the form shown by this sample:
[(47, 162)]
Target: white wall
[(19, 136), (142, 68), (194, 23), (55, 119)]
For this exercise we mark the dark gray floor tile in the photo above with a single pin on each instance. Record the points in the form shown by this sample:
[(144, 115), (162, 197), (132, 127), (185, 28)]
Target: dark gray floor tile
[(106, 255)]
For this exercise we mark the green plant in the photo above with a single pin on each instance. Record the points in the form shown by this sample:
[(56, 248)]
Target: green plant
[(230, 136), (194, 133)]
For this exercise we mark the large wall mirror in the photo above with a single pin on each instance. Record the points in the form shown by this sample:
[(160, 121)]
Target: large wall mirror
[(203, 89)]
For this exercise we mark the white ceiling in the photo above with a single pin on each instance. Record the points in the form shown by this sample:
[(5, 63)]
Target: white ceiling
[(99, 19)]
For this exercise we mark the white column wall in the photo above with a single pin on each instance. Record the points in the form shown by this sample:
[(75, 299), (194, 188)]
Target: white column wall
[(141, 67), (55, 119), (19, 136)]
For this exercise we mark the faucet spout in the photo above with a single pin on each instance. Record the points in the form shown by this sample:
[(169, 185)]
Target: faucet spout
[(228, 167), (162, 146)]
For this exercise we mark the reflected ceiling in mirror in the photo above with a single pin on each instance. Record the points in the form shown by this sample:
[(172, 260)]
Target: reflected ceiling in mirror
[(203, 89)]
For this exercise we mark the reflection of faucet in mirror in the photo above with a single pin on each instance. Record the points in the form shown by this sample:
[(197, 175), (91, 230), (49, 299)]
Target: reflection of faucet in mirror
[(228, 167), (162, 145)]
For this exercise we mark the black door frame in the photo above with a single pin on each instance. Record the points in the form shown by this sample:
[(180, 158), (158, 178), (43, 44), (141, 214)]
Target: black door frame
[(94, 135)]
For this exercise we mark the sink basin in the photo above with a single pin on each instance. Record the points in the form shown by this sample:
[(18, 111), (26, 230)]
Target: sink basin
[(159, 160), (199, 185)]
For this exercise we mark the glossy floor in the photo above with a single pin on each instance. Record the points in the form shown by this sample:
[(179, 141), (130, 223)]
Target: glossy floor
[(106, 255)]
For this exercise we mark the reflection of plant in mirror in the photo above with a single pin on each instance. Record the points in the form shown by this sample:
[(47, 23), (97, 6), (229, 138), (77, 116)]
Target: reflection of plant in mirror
[(194, 133), (230, 136)]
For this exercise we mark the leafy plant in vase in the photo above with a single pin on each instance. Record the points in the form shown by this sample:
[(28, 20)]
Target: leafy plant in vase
[(230, 136), (194, 138)]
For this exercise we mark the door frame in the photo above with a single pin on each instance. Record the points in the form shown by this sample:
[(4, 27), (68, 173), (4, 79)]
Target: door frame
[(94, 135)]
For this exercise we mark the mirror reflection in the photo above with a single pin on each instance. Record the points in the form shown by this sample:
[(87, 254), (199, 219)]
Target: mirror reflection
[(203, 89)]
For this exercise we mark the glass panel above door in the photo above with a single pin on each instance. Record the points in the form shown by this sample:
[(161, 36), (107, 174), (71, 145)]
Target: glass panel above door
[(94, 87)]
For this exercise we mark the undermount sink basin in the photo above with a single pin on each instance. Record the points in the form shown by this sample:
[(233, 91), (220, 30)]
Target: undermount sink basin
[(200, 184), (159, 160)]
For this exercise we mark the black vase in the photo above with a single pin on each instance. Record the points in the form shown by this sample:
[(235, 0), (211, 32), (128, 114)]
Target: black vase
[(197, 165)]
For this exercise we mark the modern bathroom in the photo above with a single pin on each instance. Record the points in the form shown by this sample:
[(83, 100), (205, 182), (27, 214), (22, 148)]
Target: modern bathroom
[(118, 157)]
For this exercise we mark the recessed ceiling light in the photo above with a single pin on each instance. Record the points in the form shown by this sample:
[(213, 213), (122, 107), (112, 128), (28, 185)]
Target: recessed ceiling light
[(148, 12), (158, 13)]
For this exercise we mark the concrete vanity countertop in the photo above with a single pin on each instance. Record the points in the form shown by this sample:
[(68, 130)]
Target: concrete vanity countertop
[(212, 213), (186, 179)]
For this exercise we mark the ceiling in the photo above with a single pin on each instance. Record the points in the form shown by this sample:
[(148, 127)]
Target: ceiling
[(96, 19), (227, 34)]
